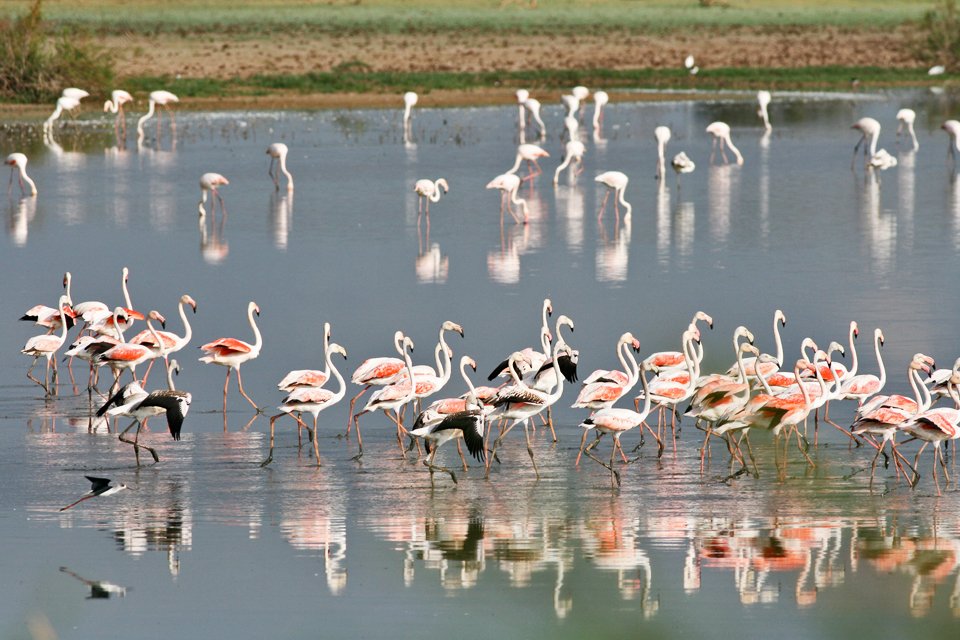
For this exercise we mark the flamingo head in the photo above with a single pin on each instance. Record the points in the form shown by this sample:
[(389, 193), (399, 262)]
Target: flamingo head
[(452, 326), (470, 362), (185, 299), (336, 348)]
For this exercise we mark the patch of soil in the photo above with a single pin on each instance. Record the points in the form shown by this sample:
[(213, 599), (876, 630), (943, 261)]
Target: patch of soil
[(244, 56)]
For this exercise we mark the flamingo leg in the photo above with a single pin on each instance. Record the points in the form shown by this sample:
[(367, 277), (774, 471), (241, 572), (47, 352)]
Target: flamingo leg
[(353, 402), (462, 458), (583, 441), (244, 393), (225, 384), (270, 454), (603, 204), (526, 433)]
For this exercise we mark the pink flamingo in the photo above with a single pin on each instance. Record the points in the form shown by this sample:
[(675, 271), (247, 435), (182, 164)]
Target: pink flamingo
[(429, 191), (309, 377), (392, 397), (862, 386), (127, 355), (509, 184), (721, 136), (529, 153), (169, 342), (231, 353), (615, 181), (868, 128), (18, 161), (377, 372), (573, 152), (118, 98), (162, 98), (278, 154), (313, 400), (209, 183), (47, 345)]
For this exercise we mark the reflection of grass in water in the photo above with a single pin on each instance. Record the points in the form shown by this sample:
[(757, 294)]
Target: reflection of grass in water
[(349, 125), (424, 82), (418, 16)]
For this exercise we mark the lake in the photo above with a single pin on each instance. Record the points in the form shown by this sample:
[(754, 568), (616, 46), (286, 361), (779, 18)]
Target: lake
[(209, 543)]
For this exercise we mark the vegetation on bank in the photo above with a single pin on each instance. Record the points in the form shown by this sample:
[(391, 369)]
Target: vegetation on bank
[(36, 63), (425, 16), (353, 81)]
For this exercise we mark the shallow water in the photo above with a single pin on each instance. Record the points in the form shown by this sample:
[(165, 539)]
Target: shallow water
[(210, 542)]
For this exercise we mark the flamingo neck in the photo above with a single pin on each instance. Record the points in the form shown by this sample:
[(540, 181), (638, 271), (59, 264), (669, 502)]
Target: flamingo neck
[(341, 385), (156, 336), (126, 294), (625, 204), (646, 394), (145, 117), (27, 179), (516, 164), (69, 284), (258, 339), (326, 349), (854, 363), (63, 325), (435, 196), (413, 383), (736, 151), (921, 399), (779, 342), (170, 384), (187, 329), (116, 326), (883, 370), (463, 374), (283, 168), (558, 391), (53, 116)]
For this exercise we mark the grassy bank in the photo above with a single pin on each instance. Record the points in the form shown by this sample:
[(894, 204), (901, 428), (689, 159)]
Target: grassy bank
[(353, 82), (423, 16)]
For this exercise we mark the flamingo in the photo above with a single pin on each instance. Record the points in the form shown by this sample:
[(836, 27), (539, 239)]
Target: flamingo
[(169, 342), (18, 161), (617, 182), (905, 120), (763, 101), (670, 389), (520, 403), (47, 345), (602, 388), (101, 320), (662, 135), (409, 100), (509, 184), (49, 317), (690, 65), (570, 128), (886, 414), (163, 99), (573, 152), (600, 100), (535, 359), (939, 380), (616, 421), (721, 136), (529, 153), (231, 353), (127, 355), (936, 426), (118, 98), (376, 372), (429, 191), (882, 160), (522, 96), (392, 397), (64, 103), (309, 377), (533, 106), (132, 401), (862, 386), (572, 104), (278, 153), (682, 164), (209, 183), (952, 127), (313, 400), (750, 364), (868, 128)]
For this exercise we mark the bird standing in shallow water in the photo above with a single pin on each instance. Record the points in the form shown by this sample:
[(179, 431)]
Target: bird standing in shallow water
[(278, 153), (231, 353), (18, 162)]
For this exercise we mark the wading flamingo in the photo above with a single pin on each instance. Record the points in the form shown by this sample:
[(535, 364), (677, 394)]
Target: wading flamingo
[(763, 101), (509, 184), (18, 162), (615, 181), (231, 353), (529, 153), (163, 99), (905, 120), (209, 183), (573, 152), (47, 345), (868, 128), (278, 153), (721, 136)]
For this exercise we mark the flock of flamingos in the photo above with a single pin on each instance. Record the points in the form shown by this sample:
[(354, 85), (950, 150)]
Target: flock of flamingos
[(759, 391)]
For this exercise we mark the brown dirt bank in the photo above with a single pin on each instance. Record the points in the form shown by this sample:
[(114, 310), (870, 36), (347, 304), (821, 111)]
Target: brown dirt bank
[(243, 56)]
